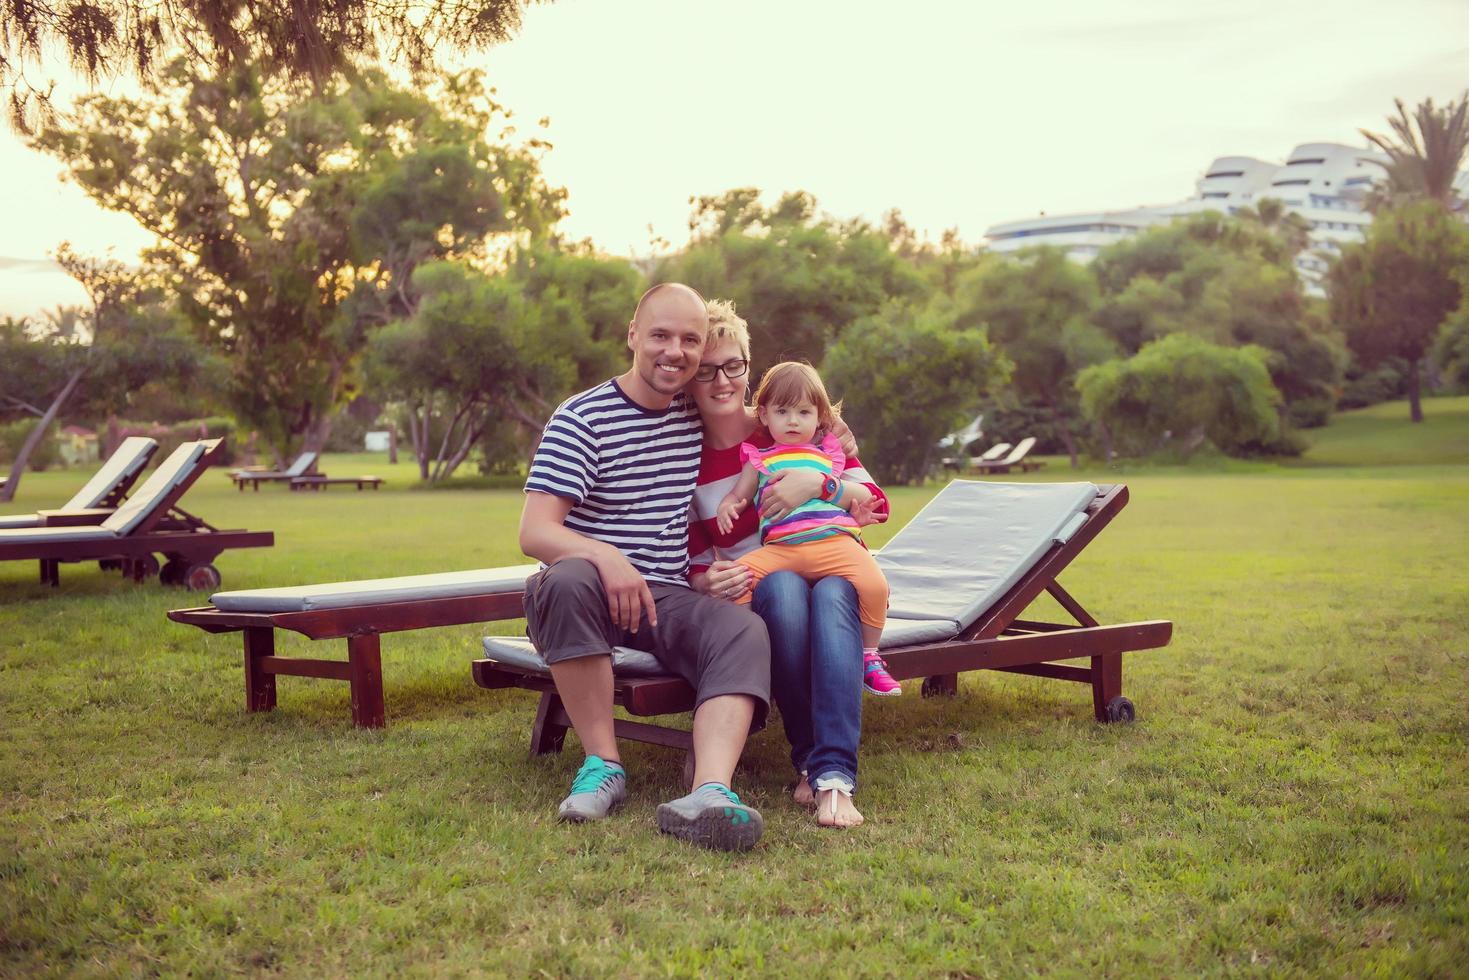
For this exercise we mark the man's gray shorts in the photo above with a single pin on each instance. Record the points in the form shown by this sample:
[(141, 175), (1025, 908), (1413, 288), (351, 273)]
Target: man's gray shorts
[(718, 647)]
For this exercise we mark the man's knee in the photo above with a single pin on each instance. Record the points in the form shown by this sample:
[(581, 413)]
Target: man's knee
[(571, 580)]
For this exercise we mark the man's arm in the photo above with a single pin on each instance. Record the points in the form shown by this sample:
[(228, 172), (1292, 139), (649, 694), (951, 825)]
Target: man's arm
[(545, 537)]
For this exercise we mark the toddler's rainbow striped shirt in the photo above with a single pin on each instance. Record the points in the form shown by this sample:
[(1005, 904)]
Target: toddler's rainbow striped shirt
[(815, 519)]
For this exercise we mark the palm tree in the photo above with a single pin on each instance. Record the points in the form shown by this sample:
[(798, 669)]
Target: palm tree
[(1271, 214), (1425, 163)]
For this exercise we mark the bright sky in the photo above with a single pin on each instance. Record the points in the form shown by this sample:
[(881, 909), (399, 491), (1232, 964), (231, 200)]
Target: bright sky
[(960, 114)]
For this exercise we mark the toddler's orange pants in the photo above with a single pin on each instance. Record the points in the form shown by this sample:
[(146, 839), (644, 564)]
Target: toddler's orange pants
[(841, 555)]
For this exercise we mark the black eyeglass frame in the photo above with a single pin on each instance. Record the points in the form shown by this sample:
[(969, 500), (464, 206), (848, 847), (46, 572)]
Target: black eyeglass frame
[(740, 365)]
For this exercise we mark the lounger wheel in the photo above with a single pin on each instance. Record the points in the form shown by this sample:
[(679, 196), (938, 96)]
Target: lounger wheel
[(110, 564), (172, 572), (201, 577), (141, 569), (1121, 709)]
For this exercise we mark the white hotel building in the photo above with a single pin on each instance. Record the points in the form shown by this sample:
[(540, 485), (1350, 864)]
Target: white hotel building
[(1324, 183)]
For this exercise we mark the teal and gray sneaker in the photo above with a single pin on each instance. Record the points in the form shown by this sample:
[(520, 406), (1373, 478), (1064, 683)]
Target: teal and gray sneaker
[(712, 816), (599, 788)]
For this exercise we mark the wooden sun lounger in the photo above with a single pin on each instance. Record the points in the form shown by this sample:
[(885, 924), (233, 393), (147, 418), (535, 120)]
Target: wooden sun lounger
[(999, 640), (1016, 459), (159, 526), (304, 465), (321, 482), (100, 496)]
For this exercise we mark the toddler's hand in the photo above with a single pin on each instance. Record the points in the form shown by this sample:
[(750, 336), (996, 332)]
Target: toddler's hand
[(728, 513), (865, 512)]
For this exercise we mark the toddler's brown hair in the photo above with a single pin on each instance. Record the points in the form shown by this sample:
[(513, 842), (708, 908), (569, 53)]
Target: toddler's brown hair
[(792, 382)]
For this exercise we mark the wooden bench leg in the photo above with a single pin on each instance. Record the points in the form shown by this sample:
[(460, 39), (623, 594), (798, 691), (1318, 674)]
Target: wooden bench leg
[(548, 734), (1106, 683), (259, 686), (364, 657), (50, 572)]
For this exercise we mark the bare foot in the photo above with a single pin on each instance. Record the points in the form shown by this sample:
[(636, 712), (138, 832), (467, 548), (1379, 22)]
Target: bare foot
[(835, 809), (802, 794)]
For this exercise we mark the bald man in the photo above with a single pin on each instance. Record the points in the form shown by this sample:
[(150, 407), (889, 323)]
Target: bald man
[(606, 510)]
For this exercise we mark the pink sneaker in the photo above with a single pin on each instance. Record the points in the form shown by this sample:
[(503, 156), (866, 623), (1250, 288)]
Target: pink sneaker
[(876, 679)]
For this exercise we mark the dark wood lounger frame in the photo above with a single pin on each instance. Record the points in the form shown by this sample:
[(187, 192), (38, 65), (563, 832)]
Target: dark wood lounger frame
[(321, 481), (188, 543), (998, 641)]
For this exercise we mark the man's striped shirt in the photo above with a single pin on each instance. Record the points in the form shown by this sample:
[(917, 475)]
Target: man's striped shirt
[(629, 472)]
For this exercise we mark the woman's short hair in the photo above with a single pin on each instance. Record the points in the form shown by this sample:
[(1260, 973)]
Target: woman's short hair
[(726, 324)]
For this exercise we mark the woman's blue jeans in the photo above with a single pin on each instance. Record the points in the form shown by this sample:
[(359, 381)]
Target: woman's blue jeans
[(815, 669)]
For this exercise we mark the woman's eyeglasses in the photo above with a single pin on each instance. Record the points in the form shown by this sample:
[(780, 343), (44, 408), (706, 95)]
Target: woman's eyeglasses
[(731, 370)]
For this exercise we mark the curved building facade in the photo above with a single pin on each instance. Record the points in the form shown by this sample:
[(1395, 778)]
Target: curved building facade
[(1325, 183)]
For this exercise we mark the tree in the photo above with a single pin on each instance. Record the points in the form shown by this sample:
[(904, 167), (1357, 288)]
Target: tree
[(1036, 309), (907, 376), (1451, 348), (1229, 281), (305, 40), (483, 349), (1423, 164), (291, 225), (91, 360), (1392, 293), (798, 279), (1181, 387)]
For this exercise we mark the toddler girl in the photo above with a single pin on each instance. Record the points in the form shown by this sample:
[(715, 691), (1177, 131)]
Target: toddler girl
[(822, 536)]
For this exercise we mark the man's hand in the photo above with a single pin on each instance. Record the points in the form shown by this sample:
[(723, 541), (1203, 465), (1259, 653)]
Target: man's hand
[(628, 595), (726, 580), (787, 490)]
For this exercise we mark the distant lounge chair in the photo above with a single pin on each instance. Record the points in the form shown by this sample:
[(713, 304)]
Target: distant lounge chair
[(149, 523), (321, 482), (961, 572), (958, 464), (1015, 459), (305, 464), (101, 495)]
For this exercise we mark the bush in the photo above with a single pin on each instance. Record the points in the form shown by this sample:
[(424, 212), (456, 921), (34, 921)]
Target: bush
[(1371, 386), (14, 434), (1179, 391), (170, 437)]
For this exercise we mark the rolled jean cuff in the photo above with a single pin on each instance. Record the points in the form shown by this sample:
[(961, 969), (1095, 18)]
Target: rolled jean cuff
[(847, 778)]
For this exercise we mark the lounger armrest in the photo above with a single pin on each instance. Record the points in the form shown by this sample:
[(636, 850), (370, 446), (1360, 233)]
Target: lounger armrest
[(90, 517)]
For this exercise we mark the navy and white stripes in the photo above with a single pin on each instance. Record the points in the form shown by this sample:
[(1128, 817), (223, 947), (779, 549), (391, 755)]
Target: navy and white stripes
[(629, 472)]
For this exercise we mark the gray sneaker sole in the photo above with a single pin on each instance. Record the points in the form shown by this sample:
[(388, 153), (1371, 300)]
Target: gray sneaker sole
[(577, 816), (720, 828)]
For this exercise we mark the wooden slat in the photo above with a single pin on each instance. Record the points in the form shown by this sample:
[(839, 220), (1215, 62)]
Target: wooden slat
[(1060, 672), (1012, 651), (334, 670)]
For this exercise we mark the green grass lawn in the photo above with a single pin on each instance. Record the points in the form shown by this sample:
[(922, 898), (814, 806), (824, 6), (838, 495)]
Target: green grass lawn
[(1292, 799)]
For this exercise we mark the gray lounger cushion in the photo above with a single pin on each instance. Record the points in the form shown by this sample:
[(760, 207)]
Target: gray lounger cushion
[(127, 460), (301, 465), (973, 542), (373, 592), (130, 457), (35, 535), (173, 471), (517, 651), (912, 632)]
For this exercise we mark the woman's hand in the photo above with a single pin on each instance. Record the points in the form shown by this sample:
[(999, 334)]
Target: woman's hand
[(787, 490), (727, 580)]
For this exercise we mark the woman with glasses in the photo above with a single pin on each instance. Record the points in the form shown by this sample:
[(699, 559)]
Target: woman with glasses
[(815, 634)]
